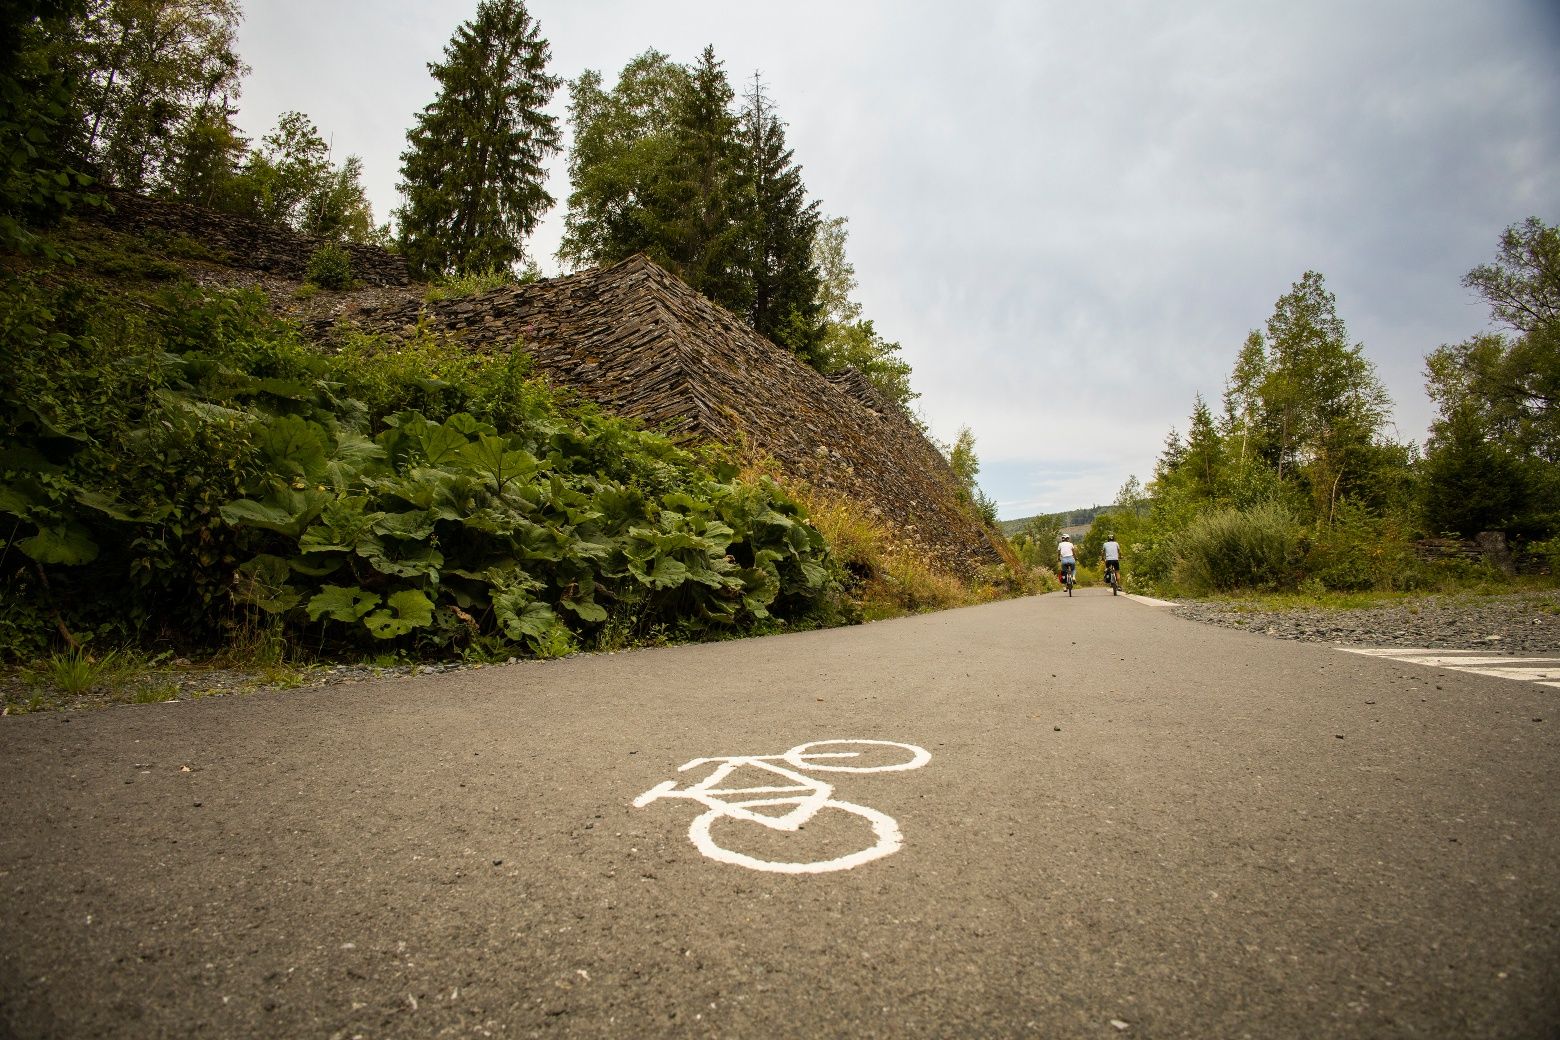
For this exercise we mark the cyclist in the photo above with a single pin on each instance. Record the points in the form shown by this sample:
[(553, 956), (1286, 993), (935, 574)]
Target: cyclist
[(1069, 558), (1112, 558)]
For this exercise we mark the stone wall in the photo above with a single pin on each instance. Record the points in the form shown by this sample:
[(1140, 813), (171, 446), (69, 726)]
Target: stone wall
[(1490, 547), (640, 342), (242, 243)]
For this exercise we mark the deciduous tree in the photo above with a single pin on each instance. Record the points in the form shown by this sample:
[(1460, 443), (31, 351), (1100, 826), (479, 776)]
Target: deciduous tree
[(622, 142), (150, 66), (1497, 392)]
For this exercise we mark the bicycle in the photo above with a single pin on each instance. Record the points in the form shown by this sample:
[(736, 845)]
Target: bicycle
[(1113, 576), (1069, 578), (807, 795)]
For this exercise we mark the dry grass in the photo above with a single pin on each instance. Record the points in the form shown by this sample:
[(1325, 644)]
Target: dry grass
[(889, 575)]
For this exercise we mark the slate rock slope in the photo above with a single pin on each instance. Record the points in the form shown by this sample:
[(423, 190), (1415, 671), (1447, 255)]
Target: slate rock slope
[(239, 242), (639, 342)]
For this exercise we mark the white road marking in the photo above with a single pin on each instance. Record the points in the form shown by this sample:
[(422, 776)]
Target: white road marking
[(1150, 601), (807, 796), (1544, 669)]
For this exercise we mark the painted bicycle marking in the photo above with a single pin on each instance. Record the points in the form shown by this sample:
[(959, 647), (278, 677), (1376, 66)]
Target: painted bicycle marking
[(807, 796)]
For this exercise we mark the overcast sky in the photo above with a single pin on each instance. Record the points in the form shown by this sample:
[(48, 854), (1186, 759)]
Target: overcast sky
[(1068, 214)]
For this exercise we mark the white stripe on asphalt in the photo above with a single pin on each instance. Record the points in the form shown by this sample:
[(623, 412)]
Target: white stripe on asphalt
[(1151, 601), (1544, 670)]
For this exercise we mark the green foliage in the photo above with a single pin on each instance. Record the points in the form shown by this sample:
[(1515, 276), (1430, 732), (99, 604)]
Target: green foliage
[(150, 67), (966, 466), (661, 165), (1497, 395), (778, 227), (1035, 544), (190, 455), (1547, 553), (330, 267), (442, 531), (1364, 550), (41, 133), (473, 172), (473, 283), (1472, 483), (1232, 549)]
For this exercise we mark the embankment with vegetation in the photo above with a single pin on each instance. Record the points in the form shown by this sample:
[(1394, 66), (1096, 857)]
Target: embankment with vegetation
[(186, 477)]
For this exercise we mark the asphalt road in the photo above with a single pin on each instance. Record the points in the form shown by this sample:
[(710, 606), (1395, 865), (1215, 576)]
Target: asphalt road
[(1130, 825)]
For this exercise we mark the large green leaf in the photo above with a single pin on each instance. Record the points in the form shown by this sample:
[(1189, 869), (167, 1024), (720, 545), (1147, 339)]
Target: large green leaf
[(342, 603), (294, 447), (18, 498), (106, 505), (498, 463), (416, 525), (286, 511), (521, 616), (67, 543), (263, 582), (345, 525), (404, 611), (402, 559), (442, 445)]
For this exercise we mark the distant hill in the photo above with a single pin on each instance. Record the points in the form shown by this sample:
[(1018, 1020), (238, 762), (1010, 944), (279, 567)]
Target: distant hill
[(1070, 521)]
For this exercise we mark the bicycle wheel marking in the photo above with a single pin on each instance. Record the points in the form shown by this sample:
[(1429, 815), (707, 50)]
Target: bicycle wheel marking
[(806, 795)]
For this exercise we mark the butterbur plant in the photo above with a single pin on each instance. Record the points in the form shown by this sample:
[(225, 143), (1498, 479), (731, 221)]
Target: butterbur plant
[(446, 533)]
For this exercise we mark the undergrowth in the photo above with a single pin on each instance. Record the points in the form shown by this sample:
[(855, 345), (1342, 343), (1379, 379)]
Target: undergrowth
[(182, 475)]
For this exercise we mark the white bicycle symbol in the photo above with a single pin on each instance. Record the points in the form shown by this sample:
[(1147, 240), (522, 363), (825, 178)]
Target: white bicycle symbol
[(807, 795)]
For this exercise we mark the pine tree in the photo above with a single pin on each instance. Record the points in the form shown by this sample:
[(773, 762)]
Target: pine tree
[(781, 228), (472, 176), (1203, 461)]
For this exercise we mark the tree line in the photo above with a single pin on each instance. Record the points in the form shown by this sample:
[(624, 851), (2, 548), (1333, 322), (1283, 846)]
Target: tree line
[(667, 160), (1295, 480)]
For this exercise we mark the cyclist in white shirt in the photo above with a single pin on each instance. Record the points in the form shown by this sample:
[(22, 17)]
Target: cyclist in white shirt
[(1064, 549), (1112, 557)]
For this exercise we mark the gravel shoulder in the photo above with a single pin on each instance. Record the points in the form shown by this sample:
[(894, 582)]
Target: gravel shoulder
[(1515, 623)]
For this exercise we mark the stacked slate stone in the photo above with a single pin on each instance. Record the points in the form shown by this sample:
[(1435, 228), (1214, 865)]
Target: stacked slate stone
[(242, 243), (639, 342)]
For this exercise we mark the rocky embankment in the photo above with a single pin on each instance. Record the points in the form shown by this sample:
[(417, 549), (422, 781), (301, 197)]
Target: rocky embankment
[(1518, 623)]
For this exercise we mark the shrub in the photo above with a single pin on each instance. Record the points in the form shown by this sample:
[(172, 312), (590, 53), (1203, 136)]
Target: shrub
[(459, 286), (1234, 549), (330, 267), (1361, 551)]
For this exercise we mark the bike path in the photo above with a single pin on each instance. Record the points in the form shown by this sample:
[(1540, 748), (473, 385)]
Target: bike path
[(1129, 825)]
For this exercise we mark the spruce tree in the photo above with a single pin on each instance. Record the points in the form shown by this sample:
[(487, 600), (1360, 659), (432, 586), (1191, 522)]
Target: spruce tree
[(472, 176), (781, 226), (695, 209)]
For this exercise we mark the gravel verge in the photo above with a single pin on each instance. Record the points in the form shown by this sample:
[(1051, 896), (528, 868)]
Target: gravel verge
[(1516, 623), (23, 690)]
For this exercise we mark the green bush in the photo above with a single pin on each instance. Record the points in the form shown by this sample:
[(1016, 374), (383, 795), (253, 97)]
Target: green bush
[(460, 286), (1361, 551), (1231, 549), (330, 267)]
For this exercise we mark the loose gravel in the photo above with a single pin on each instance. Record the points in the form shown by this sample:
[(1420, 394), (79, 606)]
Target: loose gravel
[(1519, 623)]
